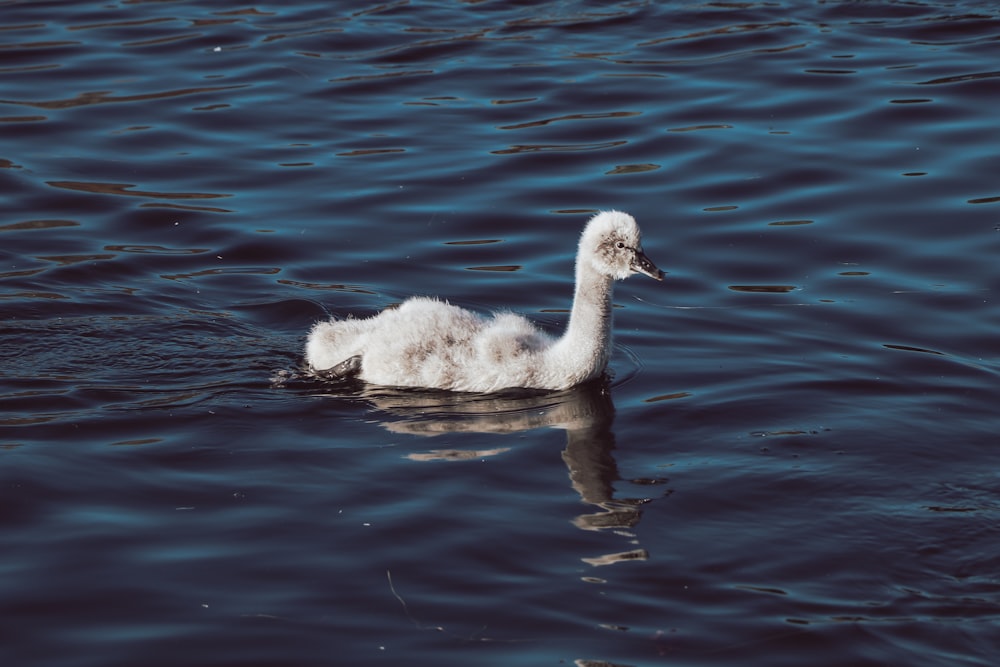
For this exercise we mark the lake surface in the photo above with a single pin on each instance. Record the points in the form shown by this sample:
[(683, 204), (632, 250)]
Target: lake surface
[(795, 458)]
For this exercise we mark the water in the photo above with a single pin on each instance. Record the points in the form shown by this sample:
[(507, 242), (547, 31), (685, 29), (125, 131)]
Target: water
[(794, 460)]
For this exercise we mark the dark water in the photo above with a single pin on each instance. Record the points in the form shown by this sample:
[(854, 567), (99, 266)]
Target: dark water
[(796, 460)]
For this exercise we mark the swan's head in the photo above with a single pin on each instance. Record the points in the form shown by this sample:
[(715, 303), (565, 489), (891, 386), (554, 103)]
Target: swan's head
[(612, 243)]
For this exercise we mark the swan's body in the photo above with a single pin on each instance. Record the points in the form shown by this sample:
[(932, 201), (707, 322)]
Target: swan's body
[(430, 343)]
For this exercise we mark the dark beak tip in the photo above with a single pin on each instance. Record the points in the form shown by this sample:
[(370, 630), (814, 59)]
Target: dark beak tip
[(642, 264), (651, 271)]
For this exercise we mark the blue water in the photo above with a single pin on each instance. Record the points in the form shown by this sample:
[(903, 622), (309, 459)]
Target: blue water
[(795, 457)]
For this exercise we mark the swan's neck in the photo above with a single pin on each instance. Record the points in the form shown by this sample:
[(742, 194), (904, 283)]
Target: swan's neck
[(586, 345)]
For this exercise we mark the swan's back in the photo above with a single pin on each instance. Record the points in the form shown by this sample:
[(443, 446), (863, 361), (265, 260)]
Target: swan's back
[(430, 343)]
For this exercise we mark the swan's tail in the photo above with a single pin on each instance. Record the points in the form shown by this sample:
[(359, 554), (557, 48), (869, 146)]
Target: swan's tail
[(333, 348), (346, 369)]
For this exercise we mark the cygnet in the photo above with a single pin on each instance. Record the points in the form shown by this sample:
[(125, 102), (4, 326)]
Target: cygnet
[(429, 343)]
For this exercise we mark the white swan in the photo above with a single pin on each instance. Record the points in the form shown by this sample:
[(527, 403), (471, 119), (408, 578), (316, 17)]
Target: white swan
[(433, 344)]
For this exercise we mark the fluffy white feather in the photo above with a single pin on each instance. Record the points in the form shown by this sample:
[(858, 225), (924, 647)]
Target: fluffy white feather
[(430, 343)]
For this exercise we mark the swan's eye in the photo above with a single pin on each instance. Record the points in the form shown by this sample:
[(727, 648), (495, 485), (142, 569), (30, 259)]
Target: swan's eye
[(620, 245)]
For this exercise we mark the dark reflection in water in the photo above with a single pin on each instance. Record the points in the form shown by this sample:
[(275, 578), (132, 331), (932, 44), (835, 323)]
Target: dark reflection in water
[(585, 413), (126, 189)]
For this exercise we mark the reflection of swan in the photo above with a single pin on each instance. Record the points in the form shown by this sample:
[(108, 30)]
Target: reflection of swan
[(430, 413), (430, 343), (585, 412)]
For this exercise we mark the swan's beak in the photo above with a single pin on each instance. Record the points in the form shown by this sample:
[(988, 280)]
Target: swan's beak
[(641, 264)]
